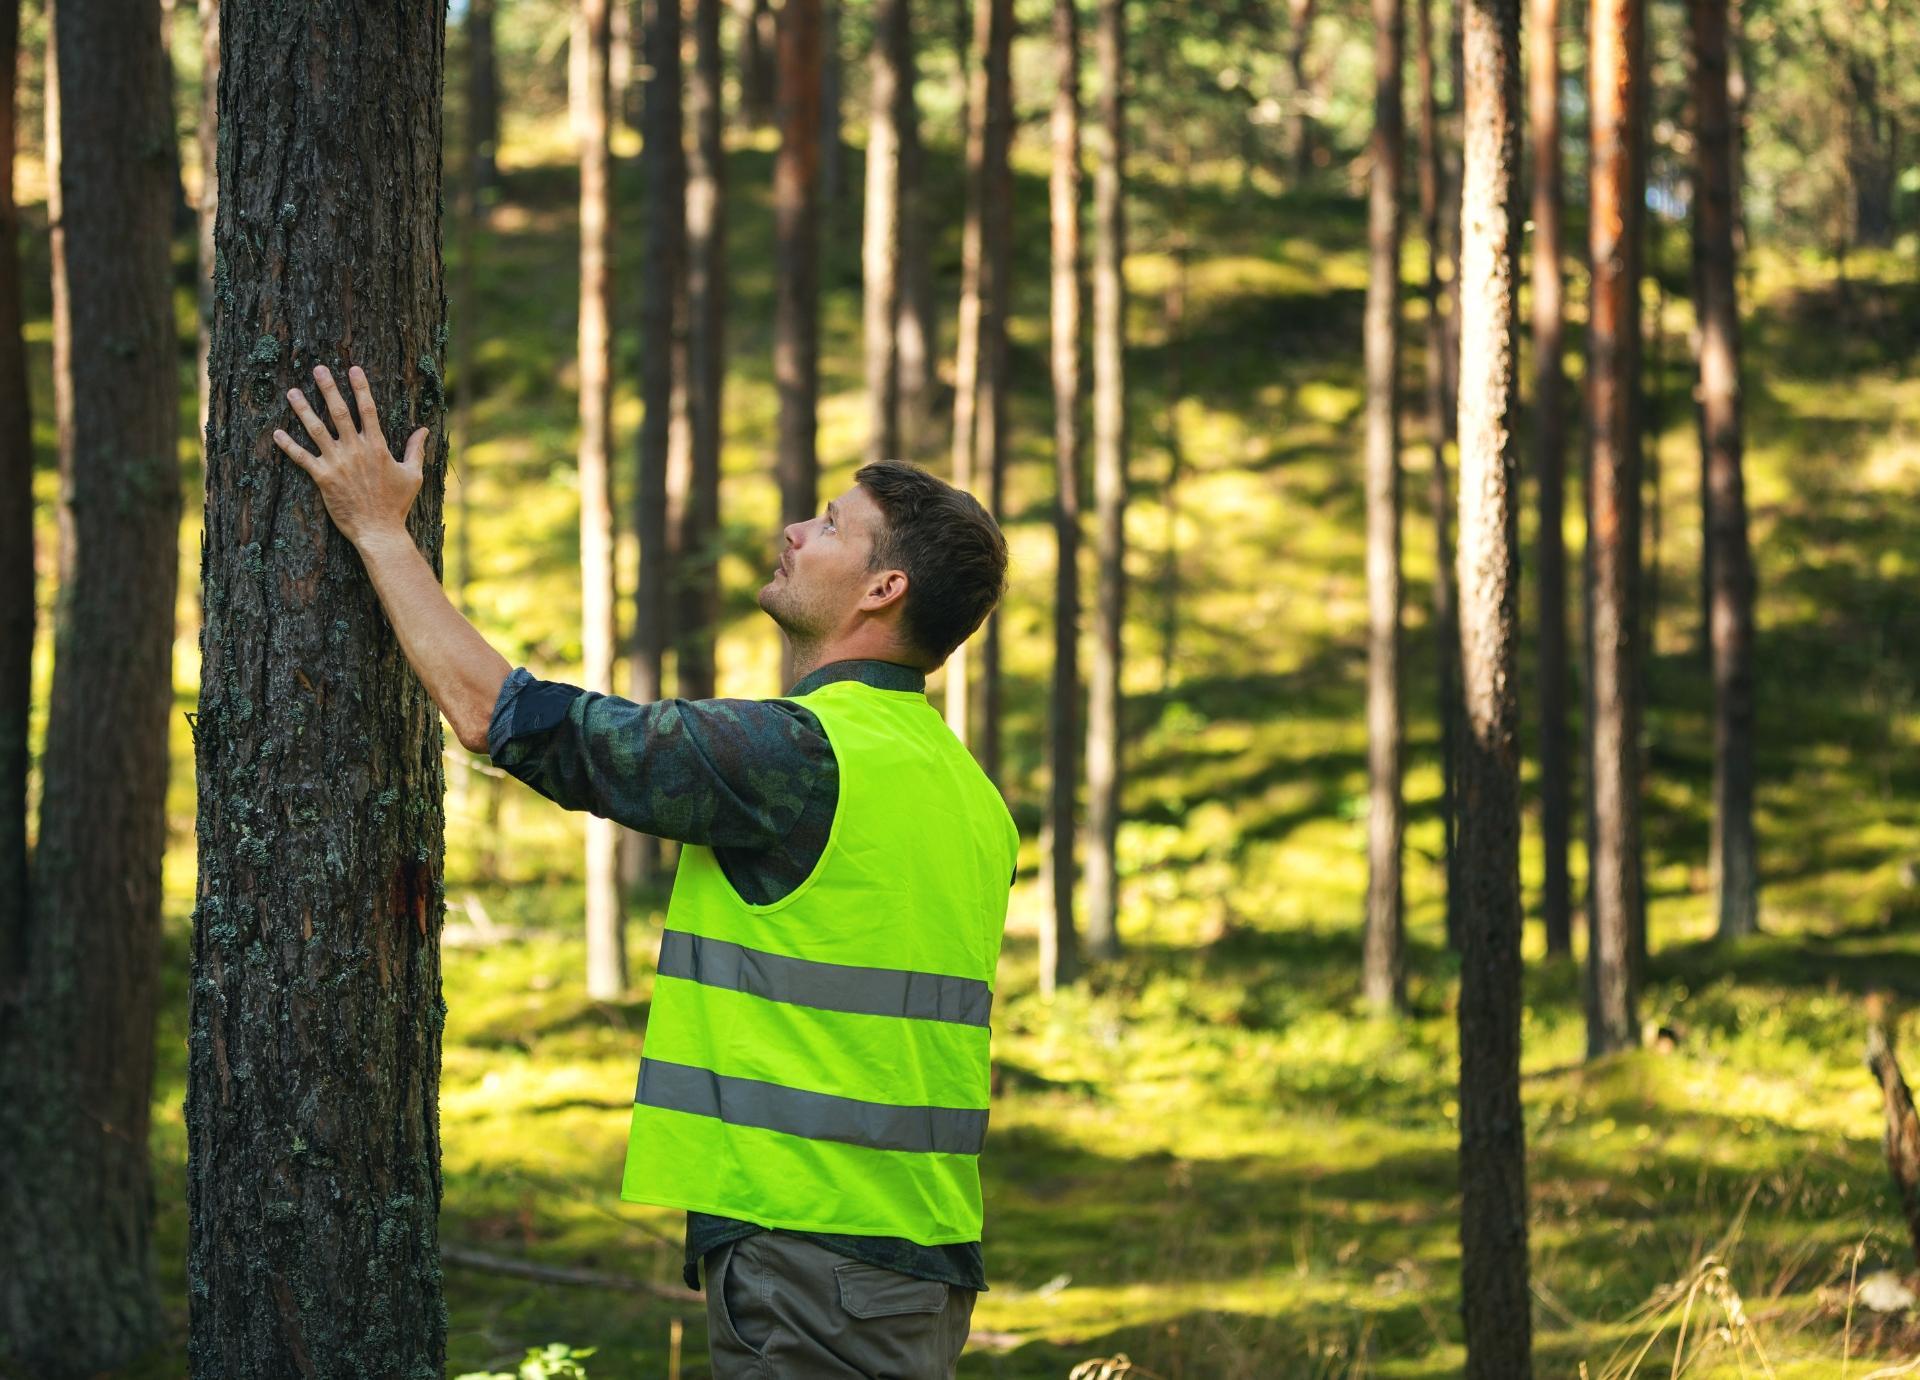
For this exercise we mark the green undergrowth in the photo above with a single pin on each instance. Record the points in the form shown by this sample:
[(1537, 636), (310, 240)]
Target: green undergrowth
[(1206, 1157)]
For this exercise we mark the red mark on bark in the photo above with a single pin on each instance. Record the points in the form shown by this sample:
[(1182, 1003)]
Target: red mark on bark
[(412, 885)]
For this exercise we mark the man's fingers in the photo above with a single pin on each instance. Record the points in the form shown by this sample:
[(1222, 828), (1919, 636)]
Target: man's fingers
[(336, 405), (316, 428), (416, 448), (363, 396), (294, 453)]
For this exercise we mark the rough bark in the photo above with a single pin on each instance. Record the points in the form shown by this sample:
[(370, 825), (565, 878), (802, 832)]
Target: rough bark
[(796, 254), (1299, 32), (698, 616), (77, 1292), (980, 358), (1059, 947), (313, 1176), (1440, 423), (1383, 977), (880, 247), (1105, 759), (1550, 473), (1615, 879), (1734, 851), (1493, 1195), (606, 925), (16, 542)]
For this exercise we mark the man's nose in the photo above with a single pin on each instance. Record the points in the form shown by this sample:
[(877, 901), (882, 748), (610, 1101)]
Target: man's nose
[(793, 531)]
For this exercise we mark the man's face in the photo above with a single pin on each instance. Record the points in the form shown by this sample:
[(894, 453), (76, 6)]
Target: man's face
[(823, 569)]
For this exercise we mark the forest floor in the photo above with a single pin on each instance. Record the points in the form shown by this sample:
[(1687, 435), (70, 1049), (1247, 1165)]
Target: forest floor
[(1206, 1157)]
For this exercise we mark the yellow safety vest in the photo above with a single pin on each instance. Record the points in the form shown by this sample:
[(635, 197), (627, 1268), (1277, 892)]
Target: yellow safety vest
[(820, 1063)]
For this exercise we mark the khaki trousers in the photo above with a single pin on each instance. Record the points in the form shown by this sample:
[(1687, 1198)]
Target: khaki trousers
[(782, 1308)]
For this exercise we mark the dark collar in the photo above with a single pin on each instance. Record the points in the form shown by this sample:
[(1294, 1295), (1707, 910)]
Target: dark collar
[(881, 675)]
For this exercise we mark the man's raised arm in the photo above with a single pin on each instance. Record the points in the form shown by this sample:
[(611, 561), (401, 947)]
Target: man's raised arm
[(368, 496)]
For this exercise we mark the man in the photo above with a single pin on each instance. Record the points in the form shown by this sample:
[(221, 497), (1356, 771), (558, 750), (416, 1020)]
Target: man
[(814, 1082)]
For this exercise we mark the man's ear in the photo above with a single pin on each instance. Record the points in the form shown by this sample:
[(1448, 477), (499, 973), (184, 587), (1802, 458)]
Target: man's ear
[(885, 589)]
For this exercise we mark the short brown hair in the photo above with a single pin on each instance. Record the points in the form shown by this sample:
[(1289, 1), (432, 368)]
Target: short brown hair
[(951, 548)]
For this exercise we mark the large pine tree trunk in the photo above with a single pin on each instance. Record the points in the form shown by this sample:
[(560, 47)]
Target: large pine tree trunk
[(880, 249), (16, 542), (313, 1177), (77, 1291), (1614, 75), (796, 266), (606, 925), (1105, 759), (1383, 978), (698, 615), (1440, 422), (980, 357), (1734, 860), (1059, 956), (1493, 1194), (1550, 471)]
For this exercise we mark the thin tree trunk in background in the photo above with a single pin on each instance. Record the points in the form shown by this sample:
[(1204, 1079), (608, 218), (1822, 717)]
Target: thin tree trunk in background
[(1299, 32), (664, 226), (1439, 491), (979, 410), (17, 607), (796, 257), (606, 922), (990, 436), (1550, 471), (881, 242), (77, 1013), (706, 298), (1059, 946), (1105, 758), (759, 40), (1653, 407), (1384, 975), (963, 23), (1614, 73), (833, 149), (1452, 157), (1495, 1303), (918, 330), (313, 1172), (483, 98), (1175, 310), (1734, 851), (208, 138)]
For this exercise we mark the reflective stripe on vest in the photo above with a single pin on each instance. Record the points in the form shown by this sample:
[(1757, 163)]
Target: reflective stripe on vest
[(817, 1116), (825, 986), (820, 1063)]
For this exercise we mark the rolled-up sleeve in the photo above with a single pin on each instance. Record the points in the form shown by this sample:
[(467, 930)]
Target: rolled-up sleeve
[(728, 773)]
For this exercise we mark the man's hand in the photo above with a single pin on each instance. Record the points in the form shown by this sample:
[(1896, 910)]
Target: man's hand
[(366, 493)]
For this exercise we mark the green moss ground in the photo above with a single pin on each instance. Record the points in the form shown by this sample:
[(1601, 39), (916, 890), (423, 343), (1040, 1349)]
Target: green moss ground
[(1208, 1159)]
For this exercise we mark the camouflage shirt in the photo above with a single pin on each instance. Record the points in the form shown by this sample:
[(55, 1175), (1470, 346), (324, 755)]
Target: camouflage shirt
[(756, 781)]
